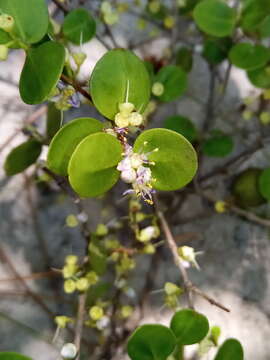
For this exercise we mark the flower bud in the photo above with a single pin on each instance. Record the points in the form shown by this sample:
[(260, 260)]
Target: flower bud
[(154, 6), (220, 207), (188, 254), (92, 277), (172, 289), (148, 233), (126, 311), (101, 230), (106, 7), (71, 259), (96, 313), (69, 271), (71, 221), (6, 22), (265, 118), (62, 321), (69, 286), (121, 121), (79, 58), (69, 351), (82, 284), (3, 52), (126, 108), (111, 18), (135, 119), (247, 114), (169, 22), (149, 249), (158, 89)]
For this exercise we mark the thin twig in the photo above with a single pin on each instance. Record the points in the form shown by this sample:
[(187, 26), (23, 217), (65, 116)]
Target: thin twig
[(61, 6), (79, 323), (34, 276), (189, 287), (76, 86)]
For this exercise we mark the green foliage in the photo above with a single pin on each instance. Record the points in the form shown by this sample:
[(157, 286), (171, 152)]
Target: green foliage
[(231, 349), (264, 27), (216, 50), (264, 183), (260, 77), (249, 57), (215, 17), (22, 157), (54, 119), (174, 80), (119, 76), (182, 125), (175, 161), (254, 13), (66, 140), (189, 327), (246, 188), (184, 59), (92, 167), (97, 256), (151, 342), (31, 18), (4, 37), (218, 145), (79, 26), (12, 356), (41, 72)]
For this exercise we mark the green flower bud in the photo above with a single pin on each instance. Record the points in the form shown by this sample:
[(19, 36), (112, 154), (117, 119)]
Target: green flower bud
[(172, 289), (62, 321), (126, 311), (111, 18), (96, 313), (169, 22), (82, 284), (79, 58), (3, 52), (6, 22), (265, 118), (158, 89), (71, 221), (126, 108), (92, 277), (69, 286), (149, 249), (69, 271), (71, 259), (101, 230), (135, 119), (154, 6), (121, 120)]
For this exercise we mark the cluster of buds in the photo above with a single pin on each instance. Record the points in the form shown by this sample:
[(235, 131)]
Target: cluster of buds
[(134, 172), (125, 263), (6, 22), (127, 116), (188, 256), (65, 97), (98, 318), (62, 321), (73, 279), (109, 15), (172, 293), (221, 206), (148, 233)]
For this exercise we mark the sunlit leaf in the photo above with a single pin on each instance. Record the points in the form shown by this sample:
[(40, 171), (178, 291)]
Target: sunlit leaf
[(79, 26), (231, 349)]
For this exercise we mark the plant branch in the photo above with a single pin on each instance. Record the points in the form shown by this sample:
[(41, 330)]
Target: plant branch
[(61, 6), (76, 86)]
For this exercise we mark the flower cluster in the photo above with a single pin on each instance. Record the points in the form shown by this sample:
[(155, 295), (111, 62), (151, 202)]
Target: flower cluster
[(127, 116), (134, 171), (65, 97)]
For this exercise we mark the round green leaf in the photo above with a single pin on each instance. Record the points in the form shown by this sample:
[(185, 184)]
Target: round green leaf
[(22, 156), (41, 72), (260, 77), (189, 327), (215, 17), (30, 16), (264, 183), (174, 80), (248, 56), (216, 50), (151, 342), (246, 188), (65, 141), (231, 349), (119, 76), (182, 125), (54, 120), (12, 356), (218, 146), (79, 26), (92, 167), (175, 161), (264, 28), (253, 14)]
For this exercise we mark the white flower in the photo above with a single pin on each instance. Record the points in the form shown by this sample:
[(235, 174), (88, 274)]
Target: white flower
[(121, 120), (103, 323), (128, 176), (69, 351), (126, 108), (148, 233), (188, 254)]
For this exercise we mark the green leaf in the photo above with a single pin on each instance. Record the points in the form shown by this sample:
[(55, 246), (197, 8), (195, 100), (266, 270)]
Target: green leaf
[(12, 356), (189, 327), (231, 349), (264, 183), (218, 145), (253, 14), (119, 76), (184, 59), (54, 119), (182, 125), (79, 26), (22, 156), (175, 160), (215, 17), (66, 140), (248, 56), (151, 342), (30, 16), (264, 28), (92, 167), (260, 77), (246, 188), (41, 72), (216, 50), (4, 37), (174, 80)]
